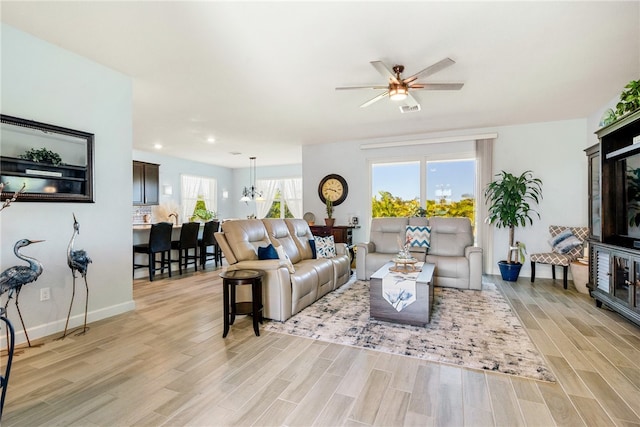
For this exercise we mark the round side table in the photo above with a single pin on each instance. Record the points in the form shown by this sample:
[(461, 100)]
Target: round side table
[(231, 279)]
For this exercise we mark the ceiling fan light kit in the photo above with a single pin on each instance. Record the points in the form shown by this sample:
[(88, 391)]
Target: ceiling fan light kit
[(398, 89)]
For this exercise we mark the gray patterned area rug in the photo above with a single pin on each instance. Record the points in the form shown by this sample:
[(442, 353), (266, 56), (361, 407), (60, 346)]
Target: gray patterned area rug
[(471, 329)]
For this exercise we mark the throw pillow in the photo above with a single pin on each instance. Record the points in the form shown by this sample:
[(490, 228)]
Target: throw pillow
[(564, 242), (312, 243), (267, 253), (325, 247), (560, 237), (282, 255), (567, 245), (418, 236)]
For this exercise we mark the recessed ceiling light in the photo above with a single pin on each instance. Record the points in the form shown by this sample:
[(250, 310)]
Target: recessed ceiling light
[(211, 140), (157, 146)]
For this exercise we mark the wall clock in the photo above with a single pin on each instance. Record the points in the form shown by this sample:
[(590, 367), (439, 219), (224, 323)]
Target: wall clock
[(333, 187)]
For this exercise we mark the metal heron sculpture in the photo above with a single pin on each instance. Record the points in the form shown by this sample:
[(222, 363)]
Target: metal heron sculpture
[(78, 261), (13, 278)]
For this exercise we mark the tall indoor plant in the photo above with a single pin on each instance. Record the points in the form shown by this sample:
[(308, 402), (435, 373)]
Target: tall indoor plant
[(510, 198)]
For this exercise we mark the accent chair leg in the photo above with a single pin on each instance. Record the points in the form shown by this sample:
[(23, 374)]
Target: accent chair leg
[(565, 268), (553, 271), (533, 271)]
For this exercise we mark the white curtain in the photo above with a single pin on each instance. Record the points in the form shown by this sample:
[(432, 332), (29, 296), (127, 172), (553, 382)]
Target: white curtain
[(189, 192), (269, 188), (193, 187), (292, 194), (484, 164)]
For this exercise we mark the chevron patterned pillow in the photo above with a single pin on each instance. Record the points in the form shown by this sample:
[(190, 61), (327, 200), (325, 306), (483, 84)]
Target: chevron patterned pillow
[(418, 236)]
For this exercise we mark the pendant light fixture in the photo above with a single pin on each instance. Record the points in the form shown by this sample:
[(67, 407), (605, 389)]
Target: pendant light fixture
[(251, 192)]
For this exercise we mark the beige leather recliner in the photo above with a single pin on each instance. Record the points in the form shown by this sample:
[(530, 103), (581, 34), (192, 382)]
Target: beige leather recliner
[(458, 262), (284, 292)]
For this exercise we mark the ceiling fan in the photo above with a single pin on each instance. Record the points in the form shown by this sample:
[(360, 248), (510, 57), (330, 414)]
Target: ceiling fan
[(400, 89)]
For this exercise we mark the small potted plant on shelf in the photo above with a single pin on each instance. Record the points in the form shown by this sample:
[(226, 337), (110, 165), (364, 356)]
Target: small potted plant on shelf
[(42, 155), (629, 98), (329, 220), (510, 198)]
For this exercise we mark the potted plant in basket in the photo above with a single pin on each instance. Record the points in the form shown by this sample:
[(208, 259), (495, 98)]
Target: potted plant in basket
[(329, 220), (509, 198)]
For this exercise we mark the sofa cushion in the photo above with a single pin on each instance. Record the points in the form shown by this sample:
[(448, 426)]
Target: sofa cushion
[(268, 252), (450, 236), (301, 234), (244, 237), (282, 255), (279, 233), (325, 247), (418, 236), (385, 233)]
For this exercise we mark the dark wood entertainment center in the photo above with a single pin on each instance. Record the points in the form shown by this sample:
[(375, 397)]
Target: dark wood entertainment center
[(614, 217)]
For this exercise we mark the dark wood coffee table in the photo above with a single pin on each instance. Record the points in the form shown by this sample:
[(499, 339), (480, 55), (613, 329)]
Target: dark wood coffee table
[(417, 313)]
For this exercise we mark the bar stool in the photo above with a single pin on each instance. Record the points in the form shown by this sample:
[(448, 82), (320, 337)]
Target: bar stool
[(159, 242), (188, 241), (208, 239)]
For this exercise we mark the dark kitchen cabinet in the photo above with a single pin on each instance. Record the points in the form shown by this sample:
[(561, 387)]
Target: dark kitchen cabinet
[(146, 177)]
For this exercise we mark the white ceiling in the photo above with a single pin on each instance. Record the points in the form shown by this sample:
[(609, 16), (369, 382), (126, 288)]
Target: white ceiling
[(260, 77)]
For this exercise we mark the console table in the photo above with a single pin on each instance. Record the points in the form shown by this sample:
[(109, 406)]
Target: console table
[(340, 233)]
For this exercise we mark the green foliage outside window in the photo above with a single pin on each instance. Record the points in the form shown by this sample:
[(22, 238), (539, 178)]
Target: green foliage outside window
[(388, 205), (274, 211)]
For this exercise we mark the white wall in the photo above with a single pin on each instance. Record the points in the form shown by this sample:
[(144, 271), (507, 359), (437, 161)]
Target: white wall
[(553, 151), (45, 83), (171, 168)]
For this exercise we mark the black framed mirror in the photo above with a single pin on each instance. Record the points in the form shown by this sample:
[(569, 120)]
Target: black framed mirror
[(53, 163)]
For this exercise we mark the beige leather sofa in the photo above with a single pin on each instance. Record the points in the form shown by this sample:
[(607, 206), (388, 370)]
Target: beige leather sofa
[(458, 262), (285, 292)]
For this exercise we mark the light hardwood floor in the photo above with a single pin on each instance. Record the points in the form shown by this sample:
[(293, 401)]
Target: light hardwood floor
[(166, 364)]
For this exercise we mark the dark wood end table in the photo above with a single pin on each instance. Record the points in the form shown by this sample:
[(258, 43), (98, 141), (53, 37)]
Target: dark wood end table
[(231, 279)]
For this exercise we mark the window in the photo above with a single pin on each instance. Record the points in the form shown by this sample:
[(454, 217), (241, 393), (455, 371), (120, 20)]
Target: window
[(194, 188), (447, 189), (282, 198), (451, 188), (396, 189)]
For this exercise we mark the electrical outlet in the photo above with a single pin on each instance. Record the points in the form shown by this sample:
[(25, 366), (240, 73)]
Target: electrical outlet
[(45, 294)]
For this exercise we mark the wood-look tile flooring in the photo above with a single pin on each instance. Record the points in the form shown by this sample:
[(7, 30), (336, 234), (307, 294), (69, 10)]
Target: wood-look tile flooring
[(166, 364)]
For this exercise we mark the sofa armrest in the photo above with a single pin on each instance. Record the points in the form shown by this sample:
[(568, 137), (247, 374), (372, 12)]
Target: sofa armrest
[(474, 255), (366, 247), (259, 264), (362, 249), (276, 287), (224, 246)]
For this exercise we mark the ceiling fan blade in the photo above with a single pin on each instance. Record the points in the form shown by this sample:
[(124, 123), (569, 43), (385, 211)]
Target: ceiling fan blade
[(431, 70), (411, 101), (362, 87), (436, 86), (386, 72), (376, 99)]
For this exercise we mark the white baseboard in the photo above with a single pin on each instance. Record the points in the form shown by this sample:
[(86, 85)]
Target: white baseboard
[(57, 326)]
